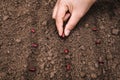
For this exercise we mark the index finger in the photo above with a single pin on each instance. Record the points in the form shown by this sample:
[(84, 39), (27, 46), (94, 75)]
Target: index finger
[(60, 18)]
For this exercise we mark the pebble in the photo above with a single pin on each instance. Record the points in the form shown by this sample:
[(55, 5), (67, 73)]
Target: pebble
[(49, 58), (67, 75), (86, 25), (109, 56), (52, 74), (42, 65), (115, 31), (82, 48), (5, 17), (8, 51), (18, 40), (67, 57), (108, 35), (93, 75), (92, 68), (44, 23), (96, 65), (102, 27), (82, 74), (52, 62)]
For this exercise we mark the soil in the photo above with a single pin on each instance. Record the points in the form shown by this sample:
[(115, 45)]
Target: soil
[(94, 45)]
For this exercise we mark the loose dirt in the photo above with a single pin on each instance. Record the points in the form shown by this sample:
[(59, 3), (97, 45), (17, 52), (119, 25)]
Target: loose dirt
[(94, 45)]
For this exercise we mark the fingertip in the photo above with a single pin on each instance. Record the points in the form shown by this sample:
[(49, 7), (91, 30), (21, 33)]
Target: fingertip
[(59, 25), (60, 33), (67, 32)]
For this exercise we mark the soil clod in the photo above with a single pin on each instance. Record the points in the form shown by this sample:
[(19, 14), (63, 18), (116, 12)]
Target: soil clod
[(115, 31)]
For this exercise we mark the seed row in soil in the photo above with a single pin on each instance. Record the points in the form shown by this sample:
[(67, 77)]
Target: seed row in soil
[(34, 46), (68, 66), (66, 52)]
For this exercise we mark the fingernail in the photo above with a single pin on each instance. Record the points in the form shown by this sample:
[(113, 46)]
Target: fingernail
[(59, 34), (67, 32)]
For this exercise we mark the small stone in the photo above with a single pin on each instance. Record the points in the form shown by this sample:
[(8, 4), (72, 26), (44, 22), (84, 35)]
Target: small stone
[(108, 35), (82, 48), (102, 27), (86, 25), (42, 65), (82, 74), (8, 51), (67, 57), (93, 75), (44, 23), (109, 56), (84, 62), (115, 31), (49, 58), (52, 62), (96, 65), (67, 75), (92, 68), (52, 74), (5, 18), (18, 40)]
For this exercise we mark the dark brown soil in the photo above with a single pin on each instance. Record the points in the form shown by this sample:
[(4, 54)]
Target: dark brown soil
[(93, 54)]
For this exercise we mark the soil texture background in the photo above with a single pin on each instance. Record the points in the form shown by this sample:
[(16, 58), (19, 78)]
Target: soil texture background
[(94, 45)]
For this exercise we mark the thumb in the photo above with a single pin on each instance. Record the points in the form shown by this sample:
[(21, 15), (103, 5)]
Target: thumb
[(75, 17)]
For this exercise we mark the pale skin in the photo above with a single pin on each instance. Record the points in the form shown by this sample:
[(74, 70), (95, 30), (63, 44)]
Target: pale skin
[(77, 9)]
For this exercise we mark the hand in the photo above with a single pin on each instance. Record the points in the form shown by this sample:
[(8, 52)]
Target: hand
[(76, 8)]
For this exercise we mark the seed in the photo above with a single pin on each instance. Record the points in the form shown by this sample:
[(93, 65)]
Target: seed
[(32, 69), (34, 45), (94, 29), (33, 30), (68, 67), (63, 35), (101, 62), (66, 51), (98, 41)]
